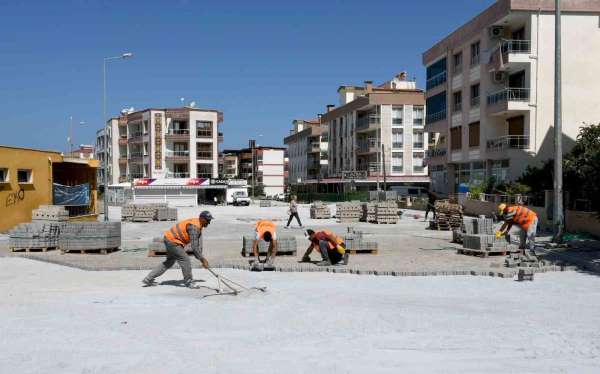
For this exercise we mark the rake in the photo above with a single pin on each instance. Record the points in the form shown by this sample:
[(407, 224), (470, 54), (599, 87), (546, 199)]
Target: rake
[(231, 285)]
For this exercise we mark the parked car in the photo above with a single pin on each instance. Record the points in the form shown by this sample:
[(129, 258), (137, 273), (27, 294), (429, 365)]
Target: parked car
[(238, 196)]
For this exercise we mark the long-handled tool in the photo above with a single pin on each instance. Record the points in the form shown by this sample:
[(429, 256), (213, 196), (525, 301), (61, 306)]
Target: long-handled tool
[(228, 283)]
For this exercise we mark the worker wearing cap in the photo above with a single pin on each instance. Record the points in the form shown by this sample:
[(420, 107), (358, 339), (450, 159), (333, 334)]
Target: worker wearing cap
[(523, 217), (331, 247), (265, 230), (188, 231)]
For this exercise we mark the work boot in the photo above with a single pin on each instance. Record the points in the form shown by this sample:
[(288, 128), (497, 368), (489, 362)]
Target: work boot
[(324, 263), (256, 266), (305, 259), (269, 264), (189, 283), (346, 258), (148, 282)]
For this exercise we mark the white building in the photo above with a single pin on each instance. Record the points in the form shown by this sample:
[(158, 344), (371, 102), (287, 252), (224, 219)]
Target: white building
[(490, 89), (307, 145), (267, 168)]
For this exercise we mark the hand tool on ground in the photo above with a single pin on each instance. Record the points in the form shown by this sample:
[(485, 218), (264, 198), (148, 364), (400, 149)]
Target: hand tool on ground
[(228, 282)]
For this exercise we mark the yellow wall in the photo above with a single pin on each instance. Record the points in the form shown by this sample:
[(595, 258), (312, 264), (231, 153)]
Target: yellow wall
[(17, 200)]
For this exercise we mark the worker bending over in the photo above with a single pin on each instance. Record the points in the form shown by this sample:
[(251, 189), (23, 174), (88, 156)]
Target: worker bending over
[(184, 232), (265, 230), (527, 221), (331, 247)]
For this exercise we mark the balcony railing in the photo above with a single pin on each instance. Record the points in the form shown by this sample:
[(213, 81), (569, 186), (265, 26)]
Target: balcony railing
[(368, 145), (434, 117), (313, 147), (178, 132), (418, 145), (508, 142), (177, 154), (204, 155), (475, 101), (418, 169), (397, 145), (436, 152), (135, 134), (177, 174), (366, 121), (437, 80), (136, 175), (509, 94), (136, 155), (397, 121), (417, 121), (515, 46)]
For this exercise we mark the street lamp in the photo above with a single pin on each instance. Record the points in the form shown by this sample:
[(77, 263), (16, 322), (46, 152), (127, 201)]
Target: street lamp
[(105, 163), (70, 137)]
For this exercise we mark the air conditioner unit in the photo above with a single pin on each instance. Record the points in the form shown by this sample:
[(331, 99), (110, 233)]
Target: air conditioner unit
[(496, 32), (499, 77)]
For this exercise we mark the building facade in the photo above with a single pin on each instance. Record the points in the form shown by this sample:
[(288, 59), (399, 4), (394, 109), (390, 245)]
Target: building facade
[(267, 168), (307, 147), (378, 131), (490, 90), (161, 144)]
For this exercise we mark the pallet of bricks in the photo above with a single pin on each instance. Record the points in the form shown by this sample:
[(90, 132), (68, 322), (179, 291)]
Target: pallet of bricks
[(286, 246), (90, 237), (157, 248), (386, 212), (318, 210), (368, 212), (166, 214), (479, 239), (265, 203), (448, 216), (355, 244), (50, 214), (349, 212), (34, 236)]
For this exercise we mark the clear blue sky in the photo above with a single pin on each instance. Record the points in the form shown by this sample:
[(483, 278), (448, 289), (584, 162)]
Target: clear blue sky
[(263, 63)]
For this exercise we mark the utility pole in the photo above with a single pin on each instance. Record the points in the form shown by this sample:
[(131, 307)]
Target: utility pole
[(252, 145), (378, 150), (558, 159), (70, 135)]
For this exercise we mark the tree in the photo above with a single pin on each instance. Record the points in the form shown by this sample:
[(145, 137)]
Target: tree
[(582, 165)]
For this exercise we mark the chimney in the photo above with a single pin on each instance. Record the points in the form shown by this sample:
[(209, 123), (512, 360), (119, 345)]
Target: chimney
[(369, 86), (330, 107)]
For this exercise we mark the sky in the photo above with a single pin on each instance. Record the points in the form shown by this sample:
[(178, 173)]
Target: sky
[(262, 63)]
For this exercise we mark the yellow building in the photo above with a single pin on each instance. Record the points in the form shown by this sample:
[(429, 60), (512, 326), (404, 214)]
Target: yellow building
[(27, 177)]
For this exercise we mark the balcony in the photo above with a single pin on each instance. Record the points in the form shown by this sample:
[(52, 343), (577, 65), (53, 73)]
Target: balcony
[(135, 155), (436, 152), (177, 174), (510, 54), (366, 146), (123, 159), (436, 122), (508, 100), (177, 134), (204, 155), (123, 140), (313, 147), (436, 80), (177, 155), (136, 175), (508, 142), (368, 123), (122, 178)]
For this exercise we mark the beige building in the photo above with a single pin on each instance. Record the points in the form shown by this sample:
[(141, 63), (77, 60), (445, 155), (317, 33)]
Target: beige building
[(378, 131), (267, 168), (161, 144), (490, 89), (307, 146)]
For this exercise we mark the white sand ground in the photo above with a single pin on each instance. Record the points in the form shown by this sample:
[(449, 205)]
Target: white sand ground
[(55, 319)]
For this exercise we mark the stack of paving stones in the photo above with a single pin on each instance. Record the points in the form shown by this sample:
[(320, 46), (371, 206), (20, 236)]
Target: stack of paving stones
[(386, 212), (265, 203), (127, 212), (50, 213), (90, 236), (166, 214), (318, 210), (286, 246), (349, 212), (448, 216), (368, 212), (38, 236), (356, 244), (518, 260), (145, 212)]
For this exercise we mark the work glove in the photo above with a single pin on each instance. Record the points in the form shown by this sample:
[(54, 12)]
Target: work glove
[(341, 249), (499, 234)]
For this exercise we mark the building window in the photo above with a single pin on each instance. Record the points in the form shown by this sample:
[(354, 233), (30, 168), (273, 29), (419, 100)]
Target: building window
[(418, 139), (397, 162), (457, 101), (3, 175), (436, 108), (397, 114), (457, 63), (204, 151), (24, 176), (475, 95), (397, 138), (474, 134), (204, 129), (145, 126), (179, 128), (204, 171), (475, 56), (418, 166), (456, 138), (418, 115), (500, 170)]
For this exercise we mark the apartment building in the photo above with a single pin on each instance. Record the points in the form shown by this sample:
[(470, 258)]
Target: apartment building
[(379, 132), (307, 147), (267, 168), (161, 144), (490, 90)]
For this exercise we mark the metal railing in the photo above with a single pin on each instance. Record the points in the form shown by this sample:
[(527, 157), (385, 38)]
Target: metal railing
[(417, 121), (508, 142), (204, 155), (178, 132), (171, 174), (418, 145), (475, 101), (397, 145), (397, 121), (434, 117), (368, 145), (171, 153), (365, 121), (136, 154), (515, 46), (418, 169), (136, 175), (135, 134), (509, 94), (437, 80)]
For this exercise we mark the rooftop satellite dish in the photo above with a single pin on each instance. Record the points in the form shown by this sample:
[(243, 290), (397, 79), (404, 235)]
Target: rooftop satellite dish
[(192, 104)]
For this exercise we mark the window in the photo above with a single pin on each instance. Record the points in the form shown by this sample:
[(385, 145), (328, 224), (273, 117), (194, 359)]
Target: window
[(500, 170), (475, 95), (3, 175), (418, 166), (418, 139), (457, 65), (418, 115), (456, 138), (397, 162), (204, 129), (475, 57), (145, 126), (436, 108), (204, 171), (474, 134), (204, 151), (24, 176), (457, 101), (397, 138), (397, 114), (179, 127)]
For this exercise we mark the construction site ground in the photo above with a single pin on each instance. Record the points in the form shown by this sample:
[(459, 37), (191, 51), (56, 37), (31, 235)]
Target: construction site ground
[(405, 248)]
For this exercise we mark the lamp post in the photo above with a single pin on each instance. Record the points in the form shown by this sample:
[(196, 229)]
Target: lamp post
[(105, 166), (558, 158), (70, 137)]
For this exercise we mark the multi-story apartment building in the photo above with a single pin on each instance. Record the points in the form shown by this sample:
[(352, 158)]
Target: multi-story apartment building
[(267, 168), (379, 131), (162, 143), (307, 147), (228, 166), (490, 89)]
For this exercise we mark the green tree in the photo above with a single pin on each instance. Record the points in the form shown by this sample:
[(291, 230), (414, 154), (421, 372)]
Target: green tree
[(582, 166)]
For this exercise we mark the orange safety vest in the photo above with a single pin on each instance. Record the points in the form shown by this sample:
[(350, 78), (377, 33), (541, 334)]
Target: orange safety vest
[(523, 217), (328, 233), (263, 226), (178, 234)]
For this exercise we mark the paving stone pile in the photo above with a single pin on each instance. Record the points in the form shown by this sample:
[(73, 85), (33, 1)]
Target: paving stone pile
[(285, 245), (354, 241), (166, 214), (386, 212), (36, 235), (318, 210), (527, 260), (50, 213), (448, 216), (265, 203), (349, 211), (90, 236), (148, 212)]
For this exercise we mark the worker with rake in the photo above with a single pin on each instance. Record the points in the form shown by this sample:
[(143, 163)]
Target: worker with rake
[(264, 230), (331, 247), (186, 232)]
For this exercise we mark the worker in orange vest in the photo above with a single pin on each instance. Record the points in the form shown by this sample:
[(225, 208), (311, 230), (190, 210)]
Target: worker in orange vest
[(184, 232), (265, 230), (523, 217), (331, 247)]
